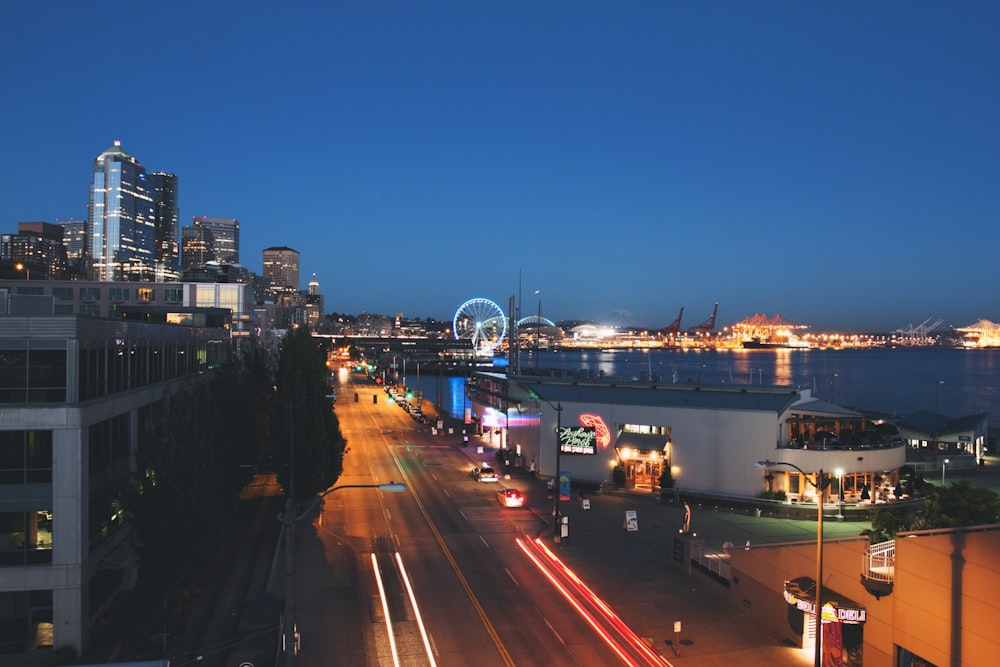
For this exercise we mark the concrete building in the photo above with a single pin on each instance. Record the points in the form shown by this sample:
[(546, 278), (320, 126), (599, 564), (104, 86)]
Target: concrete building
[(925, 598), (101, 299), (70, 408), (709, 437)]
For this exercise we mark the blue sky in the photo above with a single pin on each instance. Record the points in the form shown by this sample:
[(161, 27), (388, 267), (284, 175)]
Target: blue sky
[(835, 163)]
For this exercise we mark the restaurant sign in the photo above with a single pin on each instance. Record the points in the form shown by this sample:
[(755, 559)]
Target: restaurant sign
[(838, 611), (577, 440)]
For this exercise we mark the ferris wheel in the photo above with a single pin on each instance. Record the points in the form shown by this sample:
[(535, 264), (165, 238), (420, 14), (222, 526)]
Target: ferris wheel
[(482, 322)]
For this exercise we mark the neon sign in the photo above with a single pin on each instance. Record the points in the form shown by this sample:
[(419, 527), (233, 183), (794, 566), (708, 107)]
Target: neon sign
[(600, 428)]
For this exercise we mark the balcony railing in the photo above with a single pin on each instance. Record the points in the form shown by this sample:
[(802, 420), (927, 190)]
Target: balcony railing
[(879, 568)]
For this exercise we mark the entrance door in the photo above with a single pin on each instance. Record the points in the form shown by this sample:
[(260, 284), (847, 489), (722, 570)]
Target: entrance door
[(647, 472)]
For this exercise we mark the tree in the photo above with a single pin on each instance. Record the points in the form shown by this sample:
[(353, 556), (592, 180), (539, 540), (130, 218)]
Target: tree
[(959, 504), (306, 431)]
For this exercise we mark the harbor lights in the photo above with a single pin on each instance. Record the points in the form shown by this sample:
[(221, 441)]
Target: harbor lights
[(820, 485)]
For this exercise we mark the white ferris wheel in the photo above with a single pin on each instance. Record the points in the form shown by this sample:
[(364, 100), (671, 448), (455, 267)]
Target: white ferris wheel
[(482, 322)]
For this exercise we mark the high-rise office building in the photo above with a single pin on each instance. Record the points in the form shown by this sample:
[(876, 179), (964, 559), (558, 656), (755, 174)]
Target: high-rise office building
[(75, 240), (121, 236), (166, 219), (225, 235), (197, 246), (281, 268), (37, 249)]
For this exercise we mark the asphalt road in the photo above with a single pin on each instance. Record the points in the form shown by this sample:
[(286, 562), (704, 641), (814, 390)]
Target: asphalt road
[(481, 600)]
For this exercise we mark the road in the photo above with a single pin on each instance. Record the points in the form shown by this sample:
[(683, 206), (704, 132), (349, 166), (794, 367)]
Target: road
[(481, 599)]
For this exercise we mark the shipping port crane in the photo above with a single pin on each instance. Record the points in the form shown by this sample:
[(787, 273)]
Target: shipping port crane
[(675, 326), (709, 324)]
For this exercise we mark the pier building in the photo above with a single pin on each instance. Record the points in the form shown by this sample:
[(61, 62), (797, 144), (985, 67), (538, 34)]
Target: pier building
[(705, 439)]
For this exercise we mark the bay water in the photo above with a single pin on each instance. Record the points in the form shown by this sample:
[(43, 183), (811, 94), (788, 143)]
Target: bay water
[(898, 381)]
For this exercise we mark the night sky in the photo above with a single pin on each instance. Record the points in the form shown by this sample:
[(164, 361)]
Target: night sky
[(834, 163)]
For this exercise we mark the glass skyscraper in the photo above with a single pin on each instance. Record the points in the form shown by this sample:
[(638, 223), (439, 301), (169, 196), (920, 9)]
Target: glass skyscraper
[(167, 219), (225, 238), (121, 235)]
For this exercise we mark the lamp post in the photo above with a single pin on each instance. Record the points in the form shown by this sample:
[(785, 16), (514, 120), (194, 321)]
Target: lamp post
[(840, 493), (556, 533), (944, 463), (20, 266), (289, 639), (937, 395), (833, 388), (820, 485)]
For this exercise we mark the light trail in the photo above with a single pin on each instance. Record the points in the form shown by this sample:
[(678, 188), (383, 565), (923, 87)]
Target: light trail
[(416, 610), (385, 610), (584, 614), (637, 642)]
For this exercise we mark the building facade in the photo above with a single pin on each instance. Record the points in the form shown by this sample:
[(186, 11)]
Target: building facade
[(37, 247), (70, 408), (710, 438), (281, 268), (100, 299), (225, 237), (166, 220), (121, 234)]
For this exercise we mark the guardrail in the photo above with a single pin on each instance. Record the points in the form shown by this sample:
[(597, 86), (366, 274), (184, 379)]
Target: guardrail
[(713, 562)]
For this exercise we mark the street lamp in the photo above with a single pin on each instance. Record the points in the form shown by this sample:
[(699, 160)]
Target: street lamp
[(556, 533), (840, 493), (820, 485), (288, 519), (944, 462), (24, 267)]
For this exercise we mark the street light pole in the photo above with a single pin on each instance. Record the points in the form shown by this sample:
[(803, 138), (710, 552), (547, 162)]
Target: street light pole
[(289, 528), (944, 462), (558, 522), (820, 485)]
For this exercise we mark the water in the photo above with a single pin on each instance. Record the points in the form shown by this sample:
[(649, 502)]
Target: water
[(952, 381)]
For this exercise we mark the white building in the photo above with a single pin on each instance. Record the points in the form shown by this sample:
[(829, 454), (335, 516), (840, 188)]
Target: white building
[(711, 437)]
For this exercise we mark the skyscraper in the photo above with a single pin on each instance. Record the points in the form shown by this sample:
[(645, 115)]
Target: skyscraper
[(37, 246), (281, 268), (75, 240), (197, 246), (121, 235), (225, 235), (166, 220)]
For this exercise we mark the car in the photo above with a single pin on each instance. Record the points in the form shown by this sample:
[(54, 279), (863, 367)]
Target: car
[(511, 498), (484, 473)]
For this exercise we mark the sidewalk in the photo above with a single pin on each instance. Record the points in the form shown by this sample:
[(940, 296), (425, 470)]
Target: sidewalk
[(636, 574), (634, 571)]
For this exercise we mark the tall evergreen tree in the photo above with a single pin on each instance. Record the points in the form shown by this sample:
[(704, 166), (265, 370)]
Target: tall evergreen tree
[(306, 431)]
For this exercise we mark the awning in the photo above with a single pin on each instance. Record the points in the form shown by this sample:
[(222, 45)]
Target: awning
[(642, 441), (801, 593)]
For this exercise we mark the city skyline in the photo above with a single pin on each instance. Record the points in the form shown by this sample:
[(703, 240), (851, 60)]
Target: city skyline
[(607, 162)]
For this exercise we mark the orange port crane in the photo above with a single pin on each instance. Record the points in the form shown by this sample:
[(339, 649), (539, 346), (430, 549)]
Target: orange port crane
[(709, 324), (675, 326)]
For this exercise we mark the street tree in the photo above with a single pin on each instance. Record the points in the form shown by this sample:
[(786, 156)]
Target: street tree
[(305, 428)]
